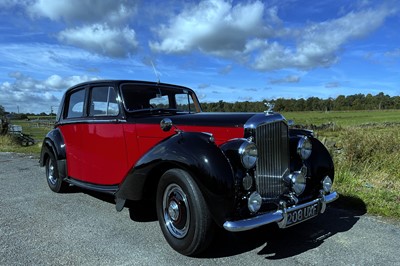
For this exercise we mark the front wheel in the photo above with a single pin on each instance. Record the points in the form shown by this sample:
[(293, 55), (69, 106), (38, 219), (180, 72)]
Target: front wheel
[(183, 214)]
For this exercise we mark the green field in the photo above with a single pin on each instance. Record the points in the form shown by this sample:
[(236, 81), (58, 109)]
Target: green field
[(351, 118), (365, 146)]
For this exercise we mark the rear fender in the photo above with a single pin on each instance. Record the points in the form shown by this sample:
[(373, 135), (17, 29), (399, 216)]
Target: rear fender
[(54, 143)]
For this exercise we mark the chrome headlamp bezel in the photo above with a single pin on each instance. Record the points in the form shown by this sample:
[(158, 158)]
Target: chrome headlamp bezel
[(298, 183), (304, 148), (248, 154)]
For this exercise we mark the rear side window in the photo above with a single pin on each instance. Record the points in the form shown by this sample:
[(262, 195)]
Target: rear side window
[(103, 102), (76, 104)]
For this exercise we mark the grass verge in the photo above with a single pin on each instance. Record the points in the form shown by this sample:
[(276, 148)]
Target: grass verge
[(9, 144), (366, 166)]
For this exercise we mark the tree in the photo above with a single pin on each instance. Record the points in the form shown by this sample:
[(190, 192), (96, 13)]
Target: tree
[(2, 110)]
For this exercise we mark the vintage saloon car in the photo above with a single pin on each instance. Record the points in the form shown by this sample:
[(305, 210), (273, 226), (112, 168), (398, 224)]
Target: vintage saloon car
[(143, 140)]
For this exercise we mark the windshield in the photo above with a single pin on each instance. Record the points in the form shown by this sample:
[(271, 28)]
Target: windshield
[(142, 97)]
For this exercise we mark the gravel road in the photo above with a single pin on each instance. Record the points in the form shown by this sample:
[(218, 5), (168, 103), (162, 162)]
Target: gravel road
[(39, 227)]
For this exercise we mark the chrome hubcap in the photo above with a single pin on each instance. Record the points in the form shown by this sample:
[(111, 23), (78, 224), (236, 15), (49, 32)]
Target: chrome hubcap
[(173, 210), (50, 172), (176, 211)]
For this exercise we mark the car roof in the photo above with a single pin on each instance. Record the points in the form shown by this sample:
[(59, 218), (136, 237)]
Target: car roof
[(120, 81)]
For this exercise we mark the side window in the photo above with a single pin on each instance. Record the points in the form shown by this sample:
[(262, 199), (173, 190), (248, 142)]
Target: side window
[(160, 102), (103, 102), (76, 104), (184, 102)]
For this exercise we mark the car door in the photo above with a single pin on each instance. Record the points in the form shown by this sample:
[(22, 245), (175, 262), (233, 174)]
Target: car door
[(103, 157), (74, 117)]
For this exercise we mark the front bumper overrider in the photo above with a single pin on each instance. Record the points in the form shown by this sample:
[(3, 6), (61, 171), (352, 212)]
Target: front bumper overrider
[(279, 216)]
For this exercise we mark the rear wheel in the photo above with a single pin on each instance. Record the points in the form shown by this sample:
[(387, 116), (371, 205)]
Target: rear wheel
[(54, 181), (183, 214)]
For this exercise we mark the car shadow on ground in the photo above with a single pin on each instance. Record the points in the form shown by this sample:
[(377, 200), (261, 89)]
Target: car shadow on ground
[(142, 211), (275, 243), (139, 211)]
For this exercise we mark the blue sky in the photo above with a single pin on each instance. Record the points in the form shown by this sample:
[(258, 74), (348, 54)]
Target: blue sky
[(224, 50)]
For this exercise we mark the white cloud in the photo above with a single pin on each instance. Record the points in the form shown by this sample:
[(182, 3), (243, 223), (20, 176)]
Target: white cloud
[(319, 43), (253, 35), (101, 39), (35, 96), (54, 81), (39, 59), (89, 11), (57, 83), (100, 26), (214, 26)]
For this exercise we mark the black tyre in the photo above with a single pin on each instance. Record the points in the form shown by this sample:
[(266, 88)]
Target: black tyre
[(53, 179), (183, 214)]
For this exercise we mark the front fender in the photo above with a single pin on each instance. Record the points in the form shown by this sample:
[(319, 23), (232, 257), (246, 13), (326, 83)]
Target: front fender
[(198, 155), (319, 164)]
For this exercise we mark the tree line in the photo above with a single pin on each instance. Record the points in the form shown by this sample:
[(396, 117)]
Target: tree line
[(21, 116), (380, 101)]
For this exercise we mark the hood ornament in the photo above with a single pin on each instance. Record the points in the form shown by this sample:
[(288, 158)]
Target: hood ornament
[(270, 107)]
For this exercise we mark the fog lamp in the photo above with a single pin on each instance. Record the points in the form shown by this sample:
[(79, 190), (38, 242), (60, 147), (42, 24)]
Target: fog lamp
[(248, 154), (304, 148), (327, 184), (298, 182), (254, 202)]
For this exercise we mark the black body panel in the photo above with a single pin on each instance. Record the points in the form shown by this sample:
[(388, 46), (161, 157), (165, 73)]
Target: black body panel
[(197, 119), (196, 154), (54, 143)]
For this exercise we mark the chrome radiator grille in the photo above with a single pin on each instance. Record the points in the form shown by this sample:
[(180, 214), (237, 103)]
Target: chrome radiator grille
[(273, 158)]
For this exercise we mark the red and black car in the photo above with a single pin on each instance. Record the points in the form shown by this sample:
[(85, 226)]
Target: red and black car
[(143, 140)]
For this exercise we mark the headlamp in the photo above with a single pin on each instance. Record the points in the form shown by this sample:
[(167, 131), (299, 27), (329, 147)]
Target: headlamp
[(248, 154), (304, 148)]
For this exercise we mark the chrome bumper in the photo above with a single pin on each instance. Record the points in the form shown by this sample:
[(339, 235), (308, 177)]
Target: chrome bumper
[(279, 216)]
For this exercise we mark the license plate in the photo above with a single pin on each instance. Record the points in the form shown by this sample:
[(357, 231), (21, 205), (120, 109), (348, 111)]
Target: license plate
[(300, 215)]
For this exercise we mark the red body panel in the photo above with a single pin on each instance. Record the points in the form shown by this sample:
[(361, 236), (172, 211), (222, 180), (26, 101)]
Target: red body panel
[(221, 134), (73, 144), (104, 153), (99, 153)]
